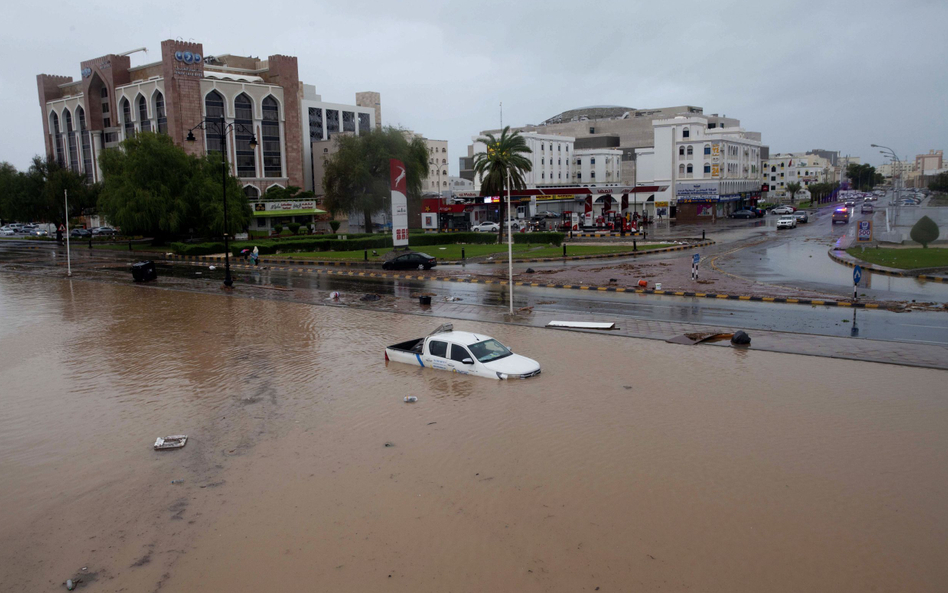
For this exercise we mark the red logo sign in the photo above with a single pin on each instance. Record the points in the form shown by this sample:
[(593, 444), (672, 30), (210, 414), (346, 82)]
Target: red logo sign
[(398, 176)]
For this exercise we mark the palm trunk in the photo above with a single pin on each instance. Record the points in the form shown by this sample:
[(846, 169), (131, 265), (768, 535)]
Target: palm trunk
[(503, 218)]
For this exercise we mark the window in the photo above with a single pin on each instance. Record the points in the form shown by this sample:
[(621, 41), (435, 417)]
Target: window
[(71, 142), (251, 192), (592, 174), (592, 130), (686, 133), (707, 149), (707, 168), (459, 353), (243, 132), (160, 113), (58, 139), (143, 114), (691, 151), (272, 154), (86, 141), (681, 170), (332, 122), (444, 149), (348, 121), (559, 147), (127, 118), (542, 147), (690, 169), (364, 123), (106, 120), (592, 161), (542, 175), (681, 151), (436, 348), (542, 161), (214, 111)]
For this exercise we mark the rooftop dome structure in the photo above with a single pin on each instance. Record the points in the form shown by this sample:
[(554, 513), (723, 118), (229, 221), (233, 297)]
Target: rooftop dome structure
[(590, 112)]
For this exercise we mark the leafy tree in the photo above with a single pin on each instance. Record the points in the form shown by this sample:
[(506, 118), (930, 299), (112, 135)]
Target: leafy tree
[(504, 155), (862, 177), (924, 231), (357, 177), (277, 229), (334, 225), (792, 189), (939, 183), (284, 194), (152, 187), (294, 227)]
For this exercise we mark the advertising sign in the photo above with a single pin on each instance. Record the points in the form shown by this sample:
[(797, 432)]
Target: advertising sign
[(715, 150), (864, 231), (697, 192), (284, 206), (715, 170), (398, 176)]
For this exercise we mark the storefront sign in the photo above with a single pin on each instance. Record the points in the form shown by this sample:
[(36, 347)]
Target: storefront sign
[(697, 192), (276, 206), (661, 204)]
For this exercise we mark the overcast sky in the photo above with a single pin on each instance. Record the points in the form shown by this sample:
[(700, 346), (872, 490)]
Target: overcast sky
[(833, 75)]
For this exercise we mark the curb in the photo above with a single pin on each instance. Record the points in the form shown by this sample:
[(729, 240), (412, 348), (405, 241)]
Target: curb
[(882, 270), (687, 294), (309, 262)]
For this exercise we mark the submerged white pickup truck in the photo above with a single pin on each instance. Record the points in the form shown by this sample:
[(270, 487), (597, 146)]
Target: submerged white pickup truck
[(465, 353)]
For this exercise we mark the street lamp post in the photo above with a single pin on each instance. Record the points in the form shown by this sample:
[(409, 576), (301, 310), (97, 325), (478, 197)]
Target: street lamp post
[(222, 129), (895, 184)]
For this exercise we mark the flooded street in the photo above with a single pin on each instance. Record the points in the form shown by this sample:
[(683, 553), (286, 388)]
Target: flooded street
[(627, 465)]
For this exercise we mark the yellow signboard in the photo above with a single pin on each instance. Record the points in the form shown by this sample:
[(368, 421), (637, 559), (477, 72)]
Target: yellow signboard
[(661, 204), (555, 197), (715, 170), (715, 150)]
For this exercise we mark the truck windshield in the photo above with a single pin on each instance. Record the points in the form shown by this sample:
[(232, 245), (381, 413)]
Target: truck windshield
[(488, 350)]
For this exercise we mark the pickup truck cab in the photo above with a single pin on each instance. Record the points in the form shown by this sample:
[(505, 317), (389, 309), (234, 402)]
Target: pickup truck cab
[(465, 353)]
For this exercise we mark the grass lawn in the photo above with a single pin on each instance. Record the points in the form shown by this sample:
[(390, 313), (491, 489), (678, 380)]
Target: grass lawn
[(453, 252), (938, 200), (904, 259)]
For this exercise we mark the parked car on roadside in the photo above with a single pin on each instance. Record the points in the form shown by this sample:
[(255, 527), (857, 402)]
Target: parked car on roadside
[(782, 210), (411, 261), (801, 216), (80, 234), (486, 227), (102, 231), (744, 214), (7, 231), (38, 233), (786, 222)]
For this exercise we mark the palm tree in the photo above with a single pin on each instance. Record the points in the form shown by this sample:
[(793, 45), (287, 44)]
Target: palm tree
[(504, 154), (793, 188)]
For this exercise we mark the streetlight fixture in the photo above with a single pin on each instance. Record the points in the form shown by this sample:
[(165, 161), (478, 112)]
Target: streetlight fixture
[(222, 128), (895, 184)]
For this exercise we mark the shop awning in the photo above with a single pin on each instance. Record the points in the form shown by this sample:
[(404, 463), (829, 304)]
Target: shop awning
[(308, 212)]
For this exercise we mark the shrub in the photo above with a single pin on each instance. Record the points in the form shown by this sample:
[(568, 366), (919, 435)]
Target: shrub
[(451, 238), (278, 229), (197, 248), (334, 225), (294, 228), (543, 237), (925, 231)]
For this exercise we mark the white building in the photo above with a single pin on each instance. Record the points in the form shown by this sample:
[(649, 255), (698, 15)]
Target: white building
[(551, 159), (700, 172), (438, 181), (597, 165), (323, 121), (798, 167)]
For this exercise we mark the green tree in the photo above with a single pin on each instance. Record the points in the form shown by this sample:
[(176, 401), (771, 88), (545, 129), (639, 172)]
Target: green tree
[(503, 155), (939, 183), (924, 231), (334, 225), (862, 177), (291, 192), (152, 187), (792, 189), (357, 177), (11, 186)]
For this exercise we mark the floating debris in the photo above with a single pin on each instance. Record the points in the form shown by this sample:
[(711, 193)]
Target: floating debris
[(171, 442)]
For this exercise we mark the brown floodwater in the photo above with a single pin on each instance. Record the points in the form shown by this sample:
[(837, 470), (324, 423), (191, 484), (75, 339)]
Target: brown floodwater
[(628, 465)]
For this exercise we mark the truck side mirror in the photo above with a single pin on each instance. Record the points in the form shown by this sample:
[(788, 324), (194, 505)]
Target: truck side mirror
[(467, 361)]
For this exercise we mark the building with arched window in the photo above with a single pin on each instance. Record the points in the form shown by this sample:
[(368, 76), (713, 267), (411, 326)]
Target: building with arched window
[(255, 98)]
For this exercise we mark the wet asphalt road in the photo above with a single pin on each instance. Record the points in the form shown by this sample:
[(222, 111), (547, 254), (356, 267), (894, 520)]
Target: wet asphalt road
[(917, 326)]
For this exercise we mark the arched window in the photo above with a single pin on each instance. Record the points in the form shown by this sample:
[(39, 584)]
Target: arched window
[(85, 139), (681, 151), (707, 168), (681, 169), (686, 133), (214, 111), (444, 161), (71, 142), (127, 118), (272, 155), (773, 169), (143, 114), (691, 151), (243, 132), (58, 139), (707, 149), (160, 114), (690, 169), (104, 96), (251, 192), (444, 150)]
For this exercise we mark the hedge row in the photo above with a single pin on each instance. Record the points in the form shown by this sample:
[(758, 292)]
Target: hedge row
[(546, 237), (197, 248)]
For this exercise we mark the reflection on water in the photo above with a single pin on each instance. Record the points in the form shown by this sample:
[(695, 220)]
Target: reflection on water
[(626, 465)]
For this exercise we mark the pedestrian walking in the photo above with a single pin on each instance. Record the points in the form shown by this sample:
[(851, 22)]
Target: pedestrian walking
[(255, 256)]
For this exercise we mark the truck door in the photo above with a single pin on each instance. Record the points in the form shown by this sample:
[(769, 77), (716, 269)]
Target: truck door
[(438, 355), (458, 354)]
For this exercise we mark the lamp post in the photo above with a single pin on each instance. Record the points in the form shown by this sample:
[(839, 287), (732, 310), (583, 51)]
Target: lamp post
[(222, 129), (895, 184)]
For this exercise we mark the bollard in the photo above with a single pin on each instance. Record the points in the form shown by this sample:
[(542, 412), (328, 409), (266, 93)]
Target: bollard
[(634, 246), (366, 255), (564, 249), (90, 242), (462, 253), (129, 244), (702, 234)]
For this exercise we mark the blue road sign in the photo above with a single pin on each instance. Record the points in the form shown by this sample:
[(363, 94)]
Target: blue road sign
[(857, 275), (696, 259)]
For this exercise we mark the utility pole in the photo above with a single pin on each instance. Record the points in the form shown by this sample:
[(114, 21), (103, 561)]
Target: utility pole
[(510, 283), (68, 255)]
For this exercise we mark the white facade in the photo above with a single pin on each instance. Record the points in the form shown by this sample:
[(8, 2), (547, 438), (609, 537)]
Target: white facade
[(551, 158), (802, 168), (323, 121), (438, 180), (725, 160), (597, 165)]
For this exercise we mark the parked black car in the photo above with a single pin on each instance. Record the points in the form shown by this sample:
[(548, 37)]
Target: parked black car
[(744, 214), (80, 234), (411, 261)]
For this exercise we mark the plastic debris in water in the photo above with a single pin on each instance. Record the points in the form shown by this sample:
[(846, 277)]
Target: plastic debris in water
[(70, 585), (410, 399), (211, 268)]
